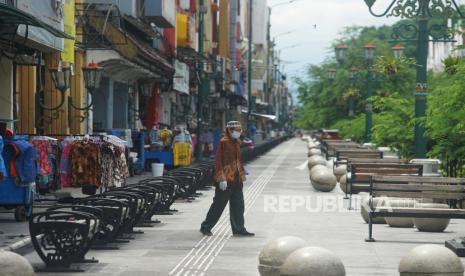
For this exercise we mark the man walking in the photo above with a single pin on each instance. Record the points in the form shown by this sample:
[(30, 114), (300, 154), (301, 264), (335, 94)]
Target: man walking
[(230, 179)]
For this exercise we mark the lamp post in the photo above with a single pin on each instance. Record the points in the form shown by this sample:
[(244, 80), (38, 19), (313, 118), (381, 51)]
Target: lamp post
[(353, 77), (369, 51), (61, 79), (420, 33)]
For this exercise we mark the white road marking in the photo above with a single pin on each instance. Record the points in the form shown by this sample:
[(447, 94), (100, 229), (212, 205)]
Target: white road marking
[(303, 166)]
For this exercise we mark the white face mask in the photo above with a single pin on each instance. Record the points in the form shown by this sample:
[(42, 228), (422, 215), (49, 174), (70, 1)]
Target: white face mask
[(236, 134)]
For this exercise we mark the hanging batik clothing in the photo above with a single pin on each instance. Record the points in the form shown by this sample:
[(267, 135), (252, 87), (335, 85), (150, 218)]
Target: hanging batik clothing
[(43, 150), (121, 172), (85, 164), (114, 166), (107, 163), (66, 146)]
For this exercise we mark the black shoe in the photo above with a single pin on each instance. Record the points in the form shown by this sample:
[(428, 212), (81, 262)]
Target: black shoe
[(244, 233), (206, 232)]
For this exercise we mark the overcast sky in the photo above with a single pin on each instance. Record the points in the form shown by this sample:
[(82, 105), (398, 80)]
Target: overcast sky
[(329, 16)]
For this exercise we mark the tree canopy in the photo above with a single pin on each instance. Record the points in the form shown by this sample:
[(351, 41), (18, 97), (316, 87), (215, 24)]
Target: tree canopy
[(324, 103)]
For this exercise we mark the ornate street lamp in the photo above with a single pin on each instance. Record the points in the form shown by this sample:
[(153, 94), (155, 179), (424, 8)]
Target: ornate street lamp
[(369, 51), (61, 76), (92, 78), (332, 73), (341, 52), (421, 33), (398, 50), (61, 80)]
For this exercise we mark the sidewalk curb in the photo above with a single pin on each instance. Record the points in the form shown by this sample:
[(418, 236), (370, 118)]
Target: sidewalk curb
[(17, 246)]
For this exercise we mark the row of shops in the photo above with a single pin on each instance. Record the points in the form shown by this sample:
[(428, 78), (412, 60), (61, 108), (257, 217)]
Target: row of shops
[(76, 67)]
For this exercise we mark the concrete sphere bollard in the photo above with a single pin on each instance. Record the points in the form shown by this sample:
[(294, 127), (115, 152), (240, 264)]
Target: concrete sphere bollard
[(342, 184), (275, 252), (397, 221), (339, 171), (431, 260), (316, 160), (323, 180), (315, 261), (317, 168), (377, 202), (330, 164), (314, 151), (312, 145), (431, 224), (12, 264)]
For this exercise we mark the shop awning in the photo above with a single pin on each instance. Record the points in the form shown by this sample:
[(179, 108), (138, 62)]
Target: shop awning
[(144, 28), (10, 15), (266, 116), (119, 68)]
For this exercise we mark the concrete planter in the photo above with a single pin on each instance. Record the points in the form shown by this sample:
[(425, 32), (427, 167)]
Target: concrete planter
[(323, 180), (430, 166), (377, 202), (400, 222), (275, 252), (316, 160), (431, 260), (431, 224)]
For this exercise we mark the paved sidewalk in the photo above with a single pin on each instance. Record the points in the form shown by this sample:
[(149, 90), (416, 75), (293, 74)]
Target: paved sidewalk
[(175, 247)]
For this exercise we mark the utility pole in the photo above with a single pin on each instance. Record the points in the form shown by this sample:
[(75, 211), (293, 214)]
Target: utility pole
[(249, 71), (203, 81)]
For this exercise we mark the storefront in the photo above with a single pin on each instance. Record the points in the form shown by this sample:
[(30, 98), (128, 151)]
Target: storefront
[(36, 38)]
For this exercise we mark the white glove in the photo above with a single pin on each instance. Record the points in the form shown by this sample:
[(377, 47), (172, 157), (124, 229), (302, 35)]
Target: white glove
[(223, 185)]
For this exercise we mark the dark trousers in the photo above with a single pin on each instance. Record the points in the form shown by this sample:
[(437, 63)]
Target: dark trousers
[(234, 195)]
